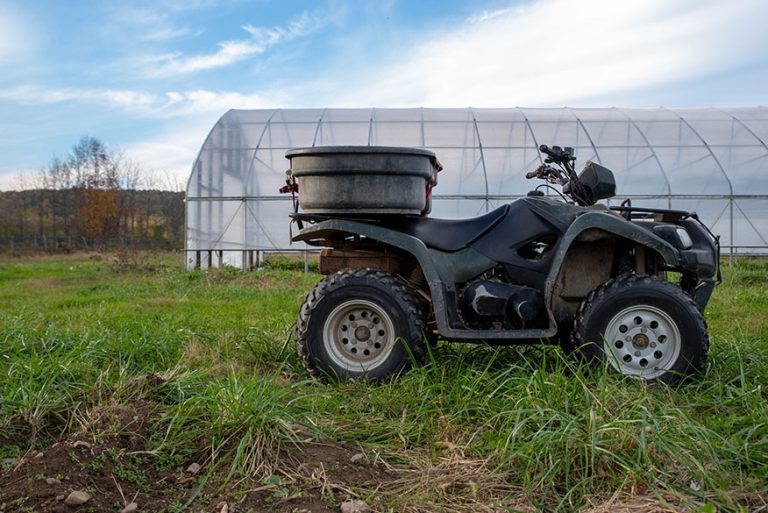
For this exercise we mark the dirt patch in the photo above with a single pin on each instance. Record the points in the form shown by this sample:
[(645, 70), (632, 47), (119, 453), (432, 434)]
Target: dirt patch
[(110, 458), (116, 469), (315, 478), (105, 460)]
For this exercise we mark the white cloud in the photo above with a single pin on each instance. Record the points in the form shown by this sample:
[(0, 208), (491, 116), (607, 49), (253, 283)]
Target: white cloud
[(232, 51), (201, 101), (305, 24), (150, 105), (120, 98), (153, 24), (167, 33), (489, 15), (552, 52)]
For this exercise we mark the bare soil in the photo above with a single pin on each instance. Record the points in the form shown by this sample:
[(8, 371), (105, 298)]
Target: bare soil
[(110, 459)]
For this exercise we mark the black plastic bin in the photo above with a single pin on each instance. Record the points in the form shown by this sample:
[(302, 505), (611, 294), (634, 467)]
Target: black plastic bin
[(363, 179)]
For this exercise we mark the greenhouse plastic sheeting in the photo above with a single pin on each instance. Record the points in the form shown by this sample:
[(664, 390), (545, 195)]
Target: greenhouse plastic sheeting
[(711, 161)]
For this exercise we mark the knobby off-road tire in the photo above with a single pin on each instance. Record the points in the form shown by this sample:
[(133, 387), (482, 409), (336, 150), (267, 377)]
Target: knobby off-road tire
[(644, 327), (357, 323)]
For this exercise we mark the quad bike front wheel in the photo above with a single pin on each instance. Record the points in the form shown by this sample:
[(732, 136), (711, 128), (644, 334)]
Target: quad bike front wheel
[(360, 323), (644, 327)]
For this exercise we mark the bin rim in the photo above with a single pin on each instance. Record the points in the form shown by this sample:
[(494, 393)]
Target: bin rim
[(327, 150)]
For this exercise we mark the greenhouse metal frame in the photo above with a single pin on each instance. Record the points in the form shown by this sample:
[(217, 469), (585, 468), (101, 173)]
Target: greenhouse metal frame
[(711, 161)]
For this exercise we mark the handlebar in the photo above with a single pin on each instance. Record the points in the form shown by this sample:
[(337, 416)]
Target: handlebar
[(563, 174), (534, 173), (548, 173), (547, 150), (557, 154)]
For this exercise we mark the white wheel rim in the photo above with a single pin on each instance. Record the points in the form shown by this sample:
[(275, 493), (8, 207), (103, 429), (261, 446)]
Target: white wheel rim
[(358, 335), (642, 341)]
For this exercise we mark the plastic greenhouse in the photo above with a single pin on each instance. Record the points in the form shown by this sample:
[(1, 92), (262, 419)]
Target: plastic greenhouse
[(711, 161)]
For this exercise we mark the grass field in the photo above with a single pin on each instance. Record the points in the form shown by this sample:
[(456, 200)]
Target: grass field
[(151, 368)]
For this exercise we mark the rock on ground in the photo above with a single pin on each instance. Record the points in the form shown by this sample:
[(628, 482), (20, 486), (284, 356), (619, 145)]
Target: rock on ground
[(130, 508), (77, 498), (355, 506)]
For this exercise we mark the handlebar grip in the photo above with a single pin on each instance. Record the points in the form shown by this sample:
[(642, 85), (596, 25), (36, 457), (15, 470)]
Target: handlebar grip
[(553, 153), (532, 174)]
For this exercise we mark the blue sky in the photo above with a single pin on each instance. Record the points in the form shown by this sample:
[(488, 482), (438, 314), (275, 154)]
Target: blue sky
[(151, 77)]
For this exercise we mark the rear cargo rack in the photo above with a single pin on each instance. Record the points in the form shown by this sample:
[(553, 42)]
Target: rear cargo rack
[(661, 214)]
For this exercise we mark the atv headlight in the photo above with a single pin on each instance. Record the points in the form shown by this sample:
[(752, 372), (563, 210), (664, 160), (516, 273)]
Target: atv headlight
[(675, 235), (685, 239)]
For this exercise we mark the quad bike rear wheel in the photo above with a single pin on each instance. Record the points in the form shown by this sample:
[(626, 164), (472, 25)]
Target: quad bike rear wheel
[(644, 327), (361, 323)]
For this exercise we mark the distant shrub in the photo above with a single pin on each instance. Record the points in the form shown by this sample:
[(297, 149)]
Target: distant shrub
[(290, 263)]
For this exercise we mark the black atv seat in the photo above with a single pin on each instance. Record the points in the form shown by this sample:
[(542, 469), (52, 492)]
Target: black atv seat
[(449, 234)]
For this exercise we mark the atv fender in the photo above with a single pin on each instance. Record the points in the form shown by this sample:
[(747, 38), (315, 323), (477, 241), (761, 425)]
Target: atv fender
[(442, 271), (610, 223), (437, 266)]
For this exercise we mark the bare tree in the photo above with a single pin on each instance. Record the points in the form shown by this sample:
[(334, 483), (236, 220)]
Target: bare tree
[(97, 193)]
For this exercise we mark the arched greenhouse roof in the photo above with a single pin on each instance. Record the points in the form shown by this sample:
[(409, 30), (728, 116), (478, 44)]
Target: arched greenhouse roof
[(712, 161)]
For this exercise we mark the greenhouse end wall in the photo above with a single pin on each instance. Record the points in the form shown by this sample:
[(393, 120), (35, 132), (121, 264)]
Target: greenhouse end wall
[(711, 161)]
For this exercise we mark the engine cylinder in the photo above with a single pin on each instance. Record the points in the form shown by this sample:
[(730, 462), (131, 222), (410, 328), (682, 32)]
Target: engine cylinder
[(485, 302)]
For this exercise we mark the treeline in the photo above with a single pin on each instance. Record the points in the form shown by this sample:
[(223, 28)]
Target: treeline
[(93, 194)]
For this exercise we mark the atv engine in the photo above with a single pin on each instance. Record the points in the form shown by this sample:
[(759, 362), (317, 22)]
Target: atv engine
[(488, 304)]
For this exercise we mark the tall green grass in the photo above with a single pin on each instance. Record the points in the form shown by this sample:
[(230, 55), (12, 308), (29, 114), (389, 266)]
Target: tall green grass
[(74, 330)]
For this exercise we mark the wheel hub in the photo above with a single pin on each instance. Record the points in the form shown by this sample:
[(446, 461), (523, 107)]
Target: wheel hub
[(358, 335), (362, 333), (642, 341)]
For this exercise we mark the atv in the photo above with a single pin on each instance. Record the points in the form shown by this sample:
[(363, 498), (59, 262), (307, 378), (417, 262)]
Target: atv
[(551, 267)]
